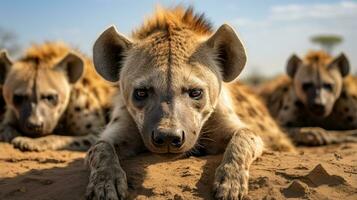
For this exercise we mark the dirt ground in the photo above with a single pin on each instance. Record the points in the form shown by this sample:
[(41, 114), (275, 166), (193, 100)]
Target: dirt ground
[(314, 173)]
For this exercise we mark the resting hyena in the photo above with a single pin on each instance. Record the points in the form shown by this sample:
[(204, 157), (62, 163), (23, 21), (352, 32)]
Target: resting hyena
[(52, 90), (317, 98), (173, 102)]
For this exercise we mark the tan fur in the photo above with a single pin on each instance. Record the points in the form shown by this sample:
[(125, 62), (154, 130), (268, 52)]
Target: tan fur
[(82, 107), (290, 110), (171, 85)]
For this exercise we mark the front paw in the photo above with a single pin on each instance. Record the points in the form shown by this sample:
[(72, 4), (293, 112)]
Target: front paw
[(231, 182), (27, 144), (314, 136), (109, 183)]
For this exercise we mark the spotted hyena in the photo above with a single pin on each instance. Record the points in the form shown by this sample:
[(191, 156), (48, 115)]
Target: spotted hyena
[(52, 93), (175, 100), (317, 100)]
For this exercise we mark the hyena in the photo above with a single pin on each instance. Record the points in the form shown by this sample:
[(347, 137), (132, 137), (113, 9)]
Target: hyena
[(175, 100), (52, 94)]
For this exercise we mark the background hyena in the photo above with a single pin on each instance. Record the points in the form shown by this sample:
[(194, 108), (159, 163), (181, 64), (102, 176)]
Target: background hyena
[(52, 91), (317, 101), (173, 102)]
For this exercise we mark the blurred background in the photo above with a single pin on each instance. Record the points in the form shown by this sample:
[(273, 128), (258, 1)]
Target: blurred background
[(271, 29)]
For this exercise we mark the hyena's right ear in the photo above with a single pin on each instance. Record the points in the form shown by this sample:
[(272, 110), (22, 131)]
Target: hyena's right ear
[(5, 64), (108, 53), (293, 64)]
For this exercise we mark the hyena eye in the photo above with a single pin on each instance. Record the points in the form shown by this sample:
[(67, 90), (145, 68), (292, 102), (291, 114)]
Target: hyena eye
[(141, 94), (327, 86), (307, 86), (18, 99), (195, 93), (51, 98)]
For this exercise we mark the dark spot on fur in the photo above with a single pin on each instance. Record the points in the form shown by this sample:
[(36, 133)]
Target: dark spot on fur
[(252, 112), (285, 89), (240, 97), (286, 107), (86, 143), (289, 123), (343, 95), (261, 127), (88, 126), (298, 104), (87, 105), (346, 109), (76, 144), (85, 81), (349, 119), (77, 109)]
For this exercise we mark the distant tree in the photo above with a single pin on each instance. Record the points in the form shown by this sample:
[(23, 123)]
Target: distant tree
[(8, 41), (327, 42)]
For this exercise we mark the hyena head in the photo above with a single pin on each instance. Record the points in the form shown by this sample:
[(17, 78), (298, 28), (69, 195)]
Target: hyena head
[(318, 80), (170, 74), (37, 87)]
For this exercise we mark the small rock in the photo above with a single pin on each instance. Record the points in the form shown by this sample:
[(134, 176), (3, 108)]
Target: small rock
[(296, 189)]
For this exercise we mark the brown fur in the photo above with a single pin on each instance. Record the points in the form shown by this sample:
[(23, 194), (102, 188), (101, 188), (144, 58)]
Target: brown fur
[(291, 109), (173, 101), (82, 106)]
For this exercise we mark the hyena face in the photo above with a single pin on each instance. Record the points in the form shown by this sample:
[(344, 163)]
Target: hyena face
[(318, 81), (170, 84), (38, 94)]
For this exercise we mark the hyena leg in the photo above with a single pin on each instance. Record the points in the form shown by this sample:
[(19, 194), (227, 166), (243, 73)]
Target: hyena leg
[(55, 142), (7, 133), (315, 136), (231, 177), (107, 178)]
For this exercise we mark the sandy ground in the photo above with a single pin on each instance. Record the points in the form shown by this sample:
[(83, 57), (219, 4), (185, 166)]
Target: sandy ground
[(313, 173)]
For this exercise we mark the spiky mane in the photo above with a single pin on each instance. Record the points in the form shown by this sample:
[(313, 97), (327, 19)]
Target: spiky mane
[(174, 18), (46, 52), (319, 57)]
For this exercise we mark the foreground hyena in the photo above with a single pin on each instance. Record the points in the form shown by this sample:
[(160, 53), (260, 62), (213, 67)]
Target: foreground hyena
[(317, 101), (173, 102), (52, 93)]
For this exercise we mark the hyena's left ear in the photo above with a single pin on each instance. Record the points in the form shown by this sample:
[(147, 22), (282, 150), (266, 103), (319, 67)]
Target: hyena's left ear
[(230, 51), (5, 64), (108, 53), (73, 66), (342, 64)]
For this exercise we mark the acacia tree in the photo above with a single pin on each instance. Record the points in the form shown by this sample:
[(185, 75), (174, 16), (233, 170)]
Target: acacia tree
[(327, 42), (8, 41)]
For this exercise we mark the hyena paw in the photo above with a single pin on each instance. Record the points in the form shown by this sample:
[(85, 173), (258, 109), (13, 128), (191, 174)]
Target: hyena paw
[(231, 182), (27, 144), (109, 183), (312, 136)]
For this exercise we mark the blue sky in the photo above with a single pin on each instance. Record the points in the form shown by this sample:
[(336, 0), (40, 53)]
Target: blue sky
[(270, 29)]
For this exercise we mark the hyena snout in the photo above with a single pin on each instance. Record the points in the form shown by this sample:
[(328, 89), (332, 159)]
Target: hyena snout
[(168, 138), (34, 124)]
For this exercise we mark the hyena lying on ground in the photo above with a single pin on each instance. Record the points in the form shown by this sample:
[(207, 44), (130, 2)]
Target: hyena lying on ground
[(173, 102), (53, 90), (317, 101)]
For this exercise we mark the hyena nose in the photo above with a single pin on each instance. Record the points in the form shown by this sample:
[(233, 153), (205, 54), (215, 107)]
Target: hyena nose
[(173, 139)]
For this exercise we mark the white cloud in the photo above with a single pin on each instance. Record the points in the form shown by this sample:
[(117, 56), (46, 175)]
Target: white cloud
[(288, 28)]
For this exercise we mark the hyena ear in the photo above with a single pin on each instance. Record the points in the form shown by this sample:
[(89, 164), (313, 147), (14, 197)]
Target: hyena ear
[(230, 51), (73, 65), (108, 53), (342, 64), (294, 62), (5, 64)]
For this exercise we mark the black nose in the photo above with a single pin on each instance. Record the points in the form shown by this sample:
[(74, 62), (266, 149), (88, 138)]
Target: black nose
[(173, 139), (36, 127), (317, 108)]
